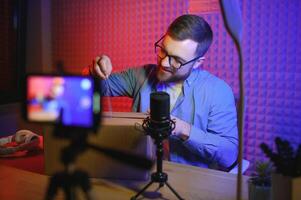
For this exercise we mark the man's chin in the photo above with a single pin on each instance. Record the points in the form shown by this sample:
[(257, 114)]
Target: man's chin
[(163, 76)]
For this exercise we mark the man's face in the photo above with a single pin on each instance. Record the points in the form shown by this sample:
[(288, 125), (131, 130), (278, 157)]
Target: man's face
[(183, 51)]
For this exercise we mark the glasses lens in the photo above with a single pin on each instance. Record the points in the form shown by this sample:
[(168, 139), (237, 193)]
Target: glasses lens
[(173, 62), (160, 52)]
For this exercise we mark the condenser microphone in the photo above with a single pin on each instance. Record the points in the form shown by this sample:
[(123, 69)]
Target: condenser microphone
[(159, 106), (159, 125)]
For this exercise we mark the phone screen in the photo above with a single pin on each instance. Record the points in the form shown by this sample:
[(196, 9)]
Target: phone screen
[(68, 100)]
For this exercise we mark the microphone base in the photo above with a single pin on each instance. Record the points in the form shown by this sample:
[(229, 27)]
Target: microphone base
[(161, 178)]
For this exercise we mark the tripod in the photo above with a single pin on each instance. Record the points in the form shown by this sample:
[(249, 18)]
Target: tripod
[(70, 178), (159, 176)]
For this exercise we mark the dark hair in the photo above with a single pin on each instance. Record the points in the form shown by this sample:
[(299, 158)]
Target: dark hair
[(192, 27)]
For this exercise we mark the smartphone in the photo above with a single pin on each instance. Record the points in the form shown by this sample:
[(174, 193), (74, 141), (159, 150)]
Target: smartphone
[(68, 100)]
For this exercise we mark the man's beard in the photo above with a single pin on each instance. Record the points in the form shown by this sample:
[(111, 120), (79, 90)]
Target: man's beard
[(170, 75)]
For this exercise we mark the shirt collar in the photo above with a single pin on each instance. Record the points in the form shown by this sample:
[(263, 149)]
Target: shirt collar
[(189, 81), (192, 77)]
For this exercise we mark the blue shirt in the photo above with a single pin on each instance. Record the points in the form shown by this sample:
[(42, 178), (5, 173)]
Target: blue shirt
[(206, 102)]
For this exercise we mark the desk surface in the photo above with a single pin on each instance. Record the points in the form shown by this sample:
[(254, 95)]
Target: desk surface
[(190, 182)]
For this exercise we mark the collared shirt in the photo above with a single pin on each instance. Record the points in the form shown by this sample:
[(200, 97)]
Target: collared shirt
[(173, 89), (206, 102)]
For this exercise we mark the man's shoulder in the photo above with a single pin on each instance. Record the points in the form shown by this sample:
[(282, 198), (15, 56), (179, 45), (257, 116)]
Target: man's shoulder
[(147, 68), (140, 73), (140, 69), (212, 81), (214, 88)]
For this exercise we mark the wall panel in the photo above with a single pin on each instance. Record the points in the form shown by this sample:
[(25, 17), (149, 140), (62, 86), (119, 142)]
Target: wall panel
[(127, 29)]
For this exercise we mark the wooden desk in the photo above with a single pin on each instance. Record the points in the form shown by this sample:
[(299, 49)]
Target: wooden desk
[(191, 183)]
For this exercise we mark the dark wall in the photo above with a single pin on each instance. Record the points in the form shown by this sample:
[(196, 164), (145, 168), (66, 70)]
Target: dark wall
[(12, 51), (21, 50)]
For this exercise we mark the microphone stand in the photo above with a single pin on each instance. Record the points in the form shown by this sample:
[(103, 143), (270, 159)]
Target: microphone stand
[(158, 134)]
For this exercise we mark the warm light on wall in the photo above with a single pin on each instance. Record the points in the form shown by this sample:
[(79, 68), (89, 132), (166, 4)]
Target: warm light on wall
[(126, 32)]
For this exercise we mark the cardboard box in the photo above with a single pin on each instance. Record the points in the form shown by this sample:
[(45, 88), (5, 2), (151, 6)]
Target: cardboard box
[(117, 131)]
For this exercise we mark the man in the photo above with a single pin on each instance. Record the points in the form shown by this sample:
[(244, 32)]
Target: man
[(202, 104)]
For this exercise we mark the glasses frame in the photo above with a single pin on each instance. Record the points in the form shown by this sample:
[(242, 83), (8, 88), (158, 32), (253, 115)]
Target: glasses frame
[(169, 56)]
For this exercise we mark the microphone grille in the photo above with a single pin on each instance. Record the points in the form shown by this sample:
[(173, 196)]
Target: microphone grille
[(159, 106)]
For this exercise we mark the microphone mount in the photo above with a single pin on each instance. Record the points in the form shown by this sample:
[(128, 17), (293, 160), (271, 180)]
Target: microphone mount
[(158, 129)]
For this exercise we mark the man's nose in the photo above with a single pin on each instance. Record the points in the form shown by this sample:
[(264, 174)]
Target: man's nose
[(165, 62)]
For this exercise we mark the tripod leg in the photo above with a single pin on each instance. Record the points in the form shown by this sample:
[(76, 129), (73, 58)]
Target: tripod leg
[(142, 190), (54, 185), (70, 193), (173, 191)]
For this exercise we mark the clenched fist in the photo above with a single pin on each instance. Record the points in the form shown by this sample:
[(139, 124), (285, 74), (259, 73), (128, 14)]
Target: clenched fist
[(182, 128), (101, 67)]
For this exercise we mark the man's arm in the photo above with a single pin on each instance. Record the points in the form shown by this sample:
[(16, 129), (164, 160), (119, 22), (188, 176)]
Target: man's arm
[(127, 83), (219, 143), (119, 84), (116, 84)]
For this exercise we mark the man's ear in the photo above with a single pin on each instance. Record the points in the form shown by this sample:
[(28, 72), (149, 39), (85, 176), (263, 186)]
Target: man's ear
[(198, 63)]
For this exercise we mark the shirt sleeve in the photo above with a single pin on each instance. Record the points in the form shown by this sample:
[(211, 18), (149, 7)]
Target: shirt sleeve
[(219, 143), (120, 84), (126, 83)]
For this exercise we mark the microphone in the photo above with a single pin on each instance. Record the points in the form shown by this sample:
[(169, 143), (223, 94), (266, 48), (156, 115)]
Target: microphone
[(159, 125), (159, 106)]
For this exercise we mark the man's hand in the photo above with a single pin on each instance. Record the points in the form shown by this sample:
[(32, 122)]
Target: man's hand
[(101, 67), (182, 128)]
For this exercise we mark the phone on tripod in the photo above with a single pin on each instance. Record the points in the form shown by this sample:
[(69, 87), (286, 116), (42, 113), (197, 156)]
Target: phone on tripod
[(67, 100)]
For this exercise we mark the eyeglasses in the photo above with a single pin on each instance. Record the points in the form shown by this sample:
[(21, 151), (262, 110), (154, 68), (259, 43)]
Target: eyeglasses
[(173, 60)]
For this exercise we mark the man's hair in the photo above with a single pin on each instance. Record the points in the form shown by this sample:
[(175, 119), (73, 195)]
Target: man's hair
[(192, 27)]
